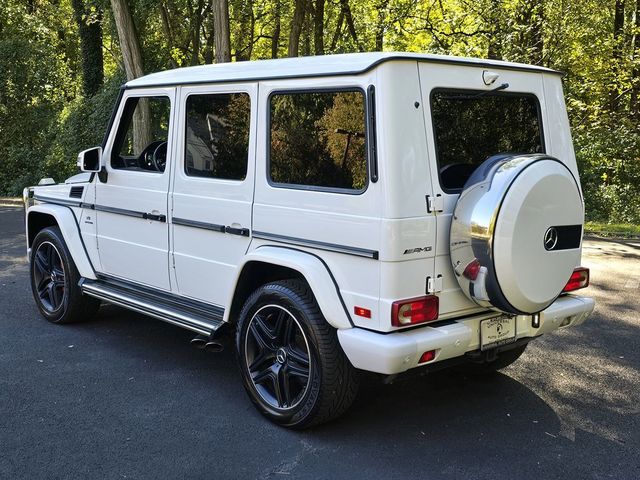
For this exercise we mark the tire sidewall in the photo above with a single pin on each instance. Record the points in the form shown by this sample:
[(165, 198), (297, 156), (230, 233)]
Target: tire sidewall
[(282, 296)]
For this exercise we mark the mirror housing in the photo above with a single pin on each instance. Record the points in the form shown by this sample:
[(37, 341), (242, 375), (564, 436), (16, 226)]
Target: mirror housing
[(90, 160)]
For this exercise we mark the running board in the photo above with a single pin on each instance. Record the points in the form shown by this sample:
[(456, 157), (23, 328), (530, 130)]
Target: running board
[(195, 316)]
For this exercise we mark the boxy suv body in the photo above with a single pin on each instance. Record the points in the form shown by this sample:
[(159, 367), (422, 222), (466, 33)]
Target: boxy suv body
[(378, 212)]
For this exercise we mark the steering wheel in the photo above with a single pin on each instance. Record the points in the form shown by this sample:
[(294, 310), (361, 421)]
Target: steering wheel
[(146, 160), (159, 157)]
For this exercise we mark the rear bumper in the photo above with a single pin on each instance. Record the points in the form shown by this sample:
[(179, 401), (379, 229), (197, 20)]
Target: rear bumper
[(397, 352)]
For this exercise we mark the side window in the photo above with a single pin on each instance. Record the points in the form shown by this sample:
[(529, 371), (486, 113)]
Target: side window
[(217, 135), (318, 139), (471, 126), (141, 141)]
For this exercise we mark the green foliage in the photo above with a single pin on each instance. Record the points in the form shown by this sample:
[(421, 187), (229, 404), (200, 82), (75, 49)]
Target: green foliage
[(45, 120), (80, 125)]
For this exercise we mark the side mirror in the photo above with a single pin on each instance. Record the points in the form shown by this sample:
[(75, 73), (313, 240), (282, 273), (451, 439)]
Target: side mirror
[(90, 160)]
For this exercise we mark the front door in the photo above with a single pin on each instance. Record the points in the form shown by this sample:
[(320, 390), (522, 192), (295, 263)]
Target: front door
[(212, 194), (131, 194)]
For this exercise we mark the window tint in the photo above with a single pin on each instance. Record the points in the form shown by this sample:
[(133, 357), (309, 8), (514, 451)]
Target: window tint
[(141, 142), (469, 128), (217, 136), (318, 139)]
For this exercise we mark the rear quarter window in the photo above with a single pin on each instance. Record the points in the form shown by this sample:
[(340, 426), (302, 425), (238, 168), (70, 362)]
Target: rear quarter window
[(471, 126), (318, 140)]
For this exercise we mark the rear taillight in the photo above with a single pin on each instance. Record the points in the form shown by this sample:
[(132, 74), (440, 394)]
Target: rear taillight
[(414, 310), (579, 279)]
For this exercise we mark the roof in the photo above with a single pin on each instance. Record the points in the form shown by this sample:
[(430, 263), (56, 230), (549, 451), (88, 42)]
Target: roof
[(343, 64)]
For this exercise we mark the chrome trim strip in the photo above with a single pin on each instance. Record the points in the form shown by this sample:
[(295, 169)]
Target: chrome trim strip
[(172, 300), (195, 224), (58, 201), (160, 313), (330, 247)]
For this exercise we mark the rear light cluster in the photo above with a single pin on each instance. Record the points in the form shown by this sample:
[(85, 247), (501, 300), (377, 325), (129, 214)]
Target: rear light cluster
[(414, 311), (579, 279)]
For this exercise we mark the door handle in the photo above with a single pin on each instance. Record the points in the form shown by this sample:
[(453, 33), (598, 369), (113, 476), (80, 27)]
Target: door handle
[(153, 216), (237, 231)]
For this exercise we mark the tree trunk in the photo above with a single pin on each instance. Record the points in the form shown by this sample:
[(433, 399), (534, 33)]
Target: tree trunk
[(132, 59), (495, 27), (537, 39), (245, 37), (195, 33), (221, 30), (618, 40), (350, 23), (318, 28), (338, 33), (168, 32), (381, 25), (275, 37), (296, 28), (90, 30)]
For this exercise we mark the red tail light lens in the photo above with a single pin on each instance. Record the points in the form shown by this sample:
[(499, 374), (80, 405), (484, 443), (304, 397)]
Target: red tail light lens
[(427, 356), (414, 310), (472, 270), (579, 279)]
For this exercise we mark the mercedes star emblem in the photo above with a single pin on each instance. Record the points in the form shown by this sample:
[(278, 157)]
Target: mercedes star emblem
[(551, 238)]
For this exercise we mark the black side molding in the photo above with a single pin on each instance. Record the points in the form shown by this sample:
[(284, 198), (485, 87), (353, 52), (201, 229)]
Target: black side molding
[(330, 247)]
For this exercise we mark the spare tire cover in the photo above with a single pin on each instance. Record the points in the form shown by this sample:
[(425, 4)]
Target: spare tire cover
[(516, 232)]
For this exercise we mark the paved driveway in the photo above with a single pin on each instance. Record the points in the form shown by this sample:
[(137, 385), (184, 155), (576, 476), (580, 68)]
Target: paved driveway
[(125, 396)]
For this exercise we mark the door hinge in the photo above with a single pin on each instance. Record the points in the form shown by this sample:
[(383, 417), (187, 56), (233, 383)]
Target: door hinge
[(435, 203), (434, 285)]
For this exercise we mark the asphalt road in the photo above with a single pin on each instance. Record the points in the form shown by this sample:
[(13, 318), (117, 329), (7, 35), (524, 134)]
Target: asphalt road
[(125, 396)]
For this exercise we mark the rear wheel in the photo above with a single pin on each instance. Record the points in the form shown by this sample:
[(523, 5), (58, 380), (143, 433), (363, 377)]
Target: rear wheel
[(291, 362), (54, 280)]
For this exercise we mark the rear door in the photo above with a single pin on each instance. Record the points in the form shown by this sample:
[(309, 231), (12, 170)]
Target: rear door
[(466, 123), (212, 194)]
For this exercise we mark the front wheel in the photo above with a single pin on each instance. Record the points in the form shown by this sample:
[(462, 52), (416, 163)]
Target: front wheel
[(54, 280), (291, 362)]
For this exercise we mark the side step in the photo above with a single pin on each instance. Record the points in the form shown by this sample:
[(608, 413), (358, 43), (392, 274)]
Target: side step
[(198, 317)]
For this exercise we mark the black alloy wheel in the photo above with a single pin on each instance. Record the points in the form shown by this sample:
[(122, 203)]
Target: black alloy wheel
[(277, 356), (54, 280), (49, 277), (291, 362)]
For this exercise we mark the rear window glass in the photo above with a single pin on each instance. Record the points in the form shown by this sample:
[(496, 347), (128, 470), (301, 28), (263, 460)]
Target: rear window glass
[(318, 140), (217, 135), (471, 126)]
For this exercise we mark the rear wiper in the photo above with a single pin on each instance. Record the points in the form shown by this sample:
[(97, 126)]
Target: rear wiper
[(504, 86)]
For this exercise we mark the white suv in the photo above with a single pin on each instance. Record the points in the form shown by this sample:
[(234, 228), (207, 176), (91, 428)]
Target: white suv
[(379, 212)]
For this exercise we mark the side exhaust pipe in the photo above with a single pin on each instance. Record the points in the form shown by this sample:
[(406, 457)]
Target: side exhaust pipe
[(213, 343)]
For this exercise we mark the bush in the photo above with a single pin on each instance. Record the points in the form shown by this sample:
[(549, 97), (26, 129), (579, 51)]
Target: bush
[(608, 157), (81, 125)]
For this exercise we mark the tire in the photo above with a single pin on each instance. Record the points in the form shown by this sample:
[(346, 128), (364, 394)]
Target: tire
[(54, 280), (292, 365), (503, 360)]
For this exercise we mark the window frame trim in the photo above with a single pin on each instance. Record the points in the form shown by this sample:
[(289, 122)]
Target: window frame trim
[(486, 93), (124, 99), (367, 138), (184, 152)]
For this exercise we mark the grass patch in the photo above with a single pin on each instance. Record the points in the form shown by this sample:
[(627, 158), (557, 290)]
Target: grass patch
[(624, 230)]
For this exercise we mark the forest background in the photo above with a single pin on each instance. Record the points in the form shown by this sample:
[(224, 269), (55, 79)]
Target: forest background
[(63, 61)]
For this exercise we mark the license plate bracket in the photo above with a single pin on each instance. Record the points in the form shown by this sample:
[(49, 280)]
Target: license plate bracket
[(497, 331)]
